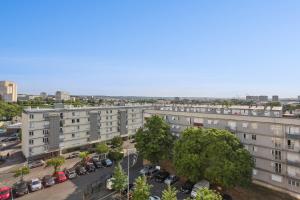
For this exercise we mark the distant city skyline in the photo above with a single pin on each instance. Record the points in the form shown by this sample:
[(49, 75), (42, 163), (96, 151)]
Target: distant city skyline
[(152, 48)]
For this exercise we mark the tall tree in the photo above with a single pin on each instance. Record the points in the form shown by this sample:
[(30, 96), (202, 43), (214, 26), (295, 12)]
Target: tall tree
[(119, 179), (56, 163), (207, 194), (84, 156), (117, 142), (216, 155), (102, 148), (154, 141), (142, 189), (169, 193), (21, 172)]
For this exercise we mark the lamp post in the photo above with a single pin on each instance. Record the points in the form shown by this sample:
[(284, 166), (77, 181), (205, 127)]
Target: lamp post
[(133, 163)]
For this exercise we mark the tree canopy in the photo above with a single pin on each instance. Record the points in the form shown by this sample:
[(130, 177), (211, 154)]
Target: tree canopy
[(207, 194), (102, 148), (117, 142), (216, 155), (154, 141), (169, 193), (9, 110), (141, 189), (56, 162), (84, 156), (21, 172), (119, 179)]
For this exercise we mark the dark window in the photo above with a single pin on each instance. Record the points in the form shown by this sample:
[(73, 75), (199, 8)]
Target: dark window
[(78, 120), (73, 135), (253, 137), (73, 121), (31, 133)]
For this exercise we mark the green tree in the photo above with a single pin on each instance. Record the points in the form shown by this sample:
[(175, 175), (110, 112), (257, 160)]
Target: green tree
[(56, 163), (21, 172), (117, 142), (102, 148), (216, 155), (207, 194), (84, 156), (116, 155), (119, 179), (154, 141), (169, 193), (141, 189)]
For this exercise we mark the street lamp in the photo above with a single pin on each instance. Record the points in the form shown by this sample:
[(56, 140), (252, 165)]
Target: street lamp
[(133, 163)]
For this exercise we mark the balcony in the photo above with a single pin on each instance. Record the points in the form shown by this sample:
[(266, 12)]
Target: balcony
[(293, 163), (293, 136)]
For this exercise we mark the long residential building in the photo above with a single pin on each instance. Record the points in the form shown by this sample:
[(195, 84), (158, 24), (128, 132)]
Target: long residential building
[(273, 141), (49, 132)]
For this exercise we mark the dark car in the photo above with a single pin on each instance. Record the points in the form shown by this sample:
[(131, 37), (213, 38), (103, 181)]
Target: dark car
[(187, 187), (226, 197), (90, 167), (152, 173), (170, 180), (34, 164), (97, 163), (161, 176), (81, 170), (146, 169), (73, 155), (107, 162), (70, 173), (48, 181), (20, 188)]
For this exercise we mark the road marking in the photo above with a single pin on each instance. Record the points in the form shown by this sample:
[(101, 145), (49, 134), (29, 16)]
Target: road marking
[(108, 195)]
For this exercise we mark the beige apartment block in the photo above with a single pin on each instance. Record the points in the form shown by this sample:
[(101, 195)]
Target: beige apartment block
[(8, 91)]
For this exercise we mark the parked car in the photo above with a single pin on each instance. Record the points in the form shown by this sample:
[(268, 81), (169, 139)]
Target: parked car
[(90, 167), (161, 176), (37, 163), (202, 184), (73, 155), (152, 173), (35, 185), (187, 187), (5, 193), (97, 163), (60, 177), (48, 181), (171, 179), (70, 173), (109, 183), (226, 197), (20, 188), (146, 169), (154, 198), (107, 162), (80, 170)]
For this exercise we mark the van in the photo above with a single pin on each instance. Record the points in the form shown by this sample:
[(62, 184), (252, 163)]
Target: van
[(202, 184)]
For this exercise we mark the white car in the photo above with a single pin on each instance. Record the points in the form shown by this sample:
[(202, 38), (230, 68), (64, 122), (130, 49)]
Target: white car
[(202, 184), (154, 198), (35, 184), (109, 183)]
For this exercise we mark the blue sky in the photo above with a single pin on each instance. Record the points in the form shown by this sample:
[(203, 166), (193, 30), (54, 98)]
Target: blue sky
[(152, 47)]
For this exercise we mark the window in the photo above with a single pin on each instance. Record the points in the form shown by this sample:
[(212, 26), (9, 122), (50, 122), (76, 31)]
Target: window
[(245, 135), (87, 133), (106, 117), (31, 142), (107, 112), (31, 116), (73, 135), (45, 148), (278, 168), (110, 111), (45, 140), (31, 133), (73, 113), (78, 120), (73, 121), (290, 144), (78, 127), (253, 137), (276, 154), (293, 183), (45, 132), (111, 123)]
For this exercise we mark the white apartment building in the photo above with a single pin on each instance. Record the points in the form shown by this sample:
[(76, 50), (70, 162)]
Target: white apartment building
[(62, 96), (48, 132), (272, 140), (8, 91)]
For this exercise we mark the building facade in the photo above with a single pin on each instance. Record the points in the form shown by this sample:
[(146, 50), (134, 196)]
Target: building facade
[(49, 132), (8, 91), (272, 140), (62, 96)]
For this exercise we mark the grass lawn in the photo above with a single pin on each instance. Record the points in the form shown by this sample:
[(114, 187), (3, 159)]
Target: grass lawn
[(256, 192)]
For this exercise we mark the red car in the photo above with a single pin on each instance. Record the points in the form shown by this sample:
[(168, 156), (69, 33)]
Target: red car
[(60, 177), (5, 193)]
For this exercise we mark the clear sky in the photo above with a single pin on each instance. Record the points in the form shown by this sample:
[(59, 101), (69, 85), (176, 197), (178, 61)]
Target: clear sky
[(197, 48)]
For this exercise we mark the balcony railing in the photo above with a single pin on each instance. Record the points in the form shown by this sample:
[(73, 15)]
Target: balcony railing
[(293, 136)]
